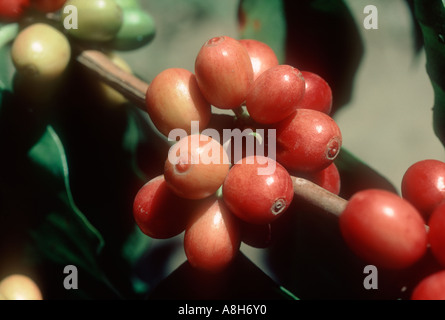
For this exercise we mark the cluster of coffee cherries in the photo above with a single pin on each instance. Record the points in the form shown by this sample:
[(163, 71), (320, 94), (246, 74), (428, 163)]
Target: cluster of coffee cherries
[(424, 188), (399, 232), (219, 197), (45, 33), (219, 200)]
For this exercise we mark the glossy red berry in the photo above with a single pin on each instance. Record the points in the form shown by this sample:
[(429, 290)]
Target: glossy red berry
[(196, 166), (383, 229), (275, 94), (307, 141), (436, 233), (224, 72), (423, 184), (13, 10), (258, 189), (174, 100), (212, 239), (261, 55), (159, 212), (318, 93), (431, 287)]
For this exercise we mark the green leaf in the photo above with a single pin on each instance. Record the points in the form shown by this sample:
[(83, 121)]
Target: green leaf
[(264, 20), (49, 154), (431, 18), (7, 33)]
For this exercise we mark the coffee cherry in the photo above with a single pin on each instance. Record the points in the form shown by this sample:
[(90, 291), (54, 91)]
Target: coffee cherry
[(436, 233), (258, 190), (98, 20), (196, 166), (13, 10), (431, 287), (41, 52), (261, 55), (328, 178), (174, 100), (159, 213), (19, 287), (308, 140), (318, 93), (275, 94), (137, 30), (48, 5), (383, 229), (224, 72), (212, 240), (423, 184)]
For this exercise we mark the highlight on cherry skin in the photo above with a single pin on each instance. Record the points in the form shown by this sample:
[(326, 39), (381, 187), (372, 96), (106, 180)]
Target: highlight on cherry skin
[(196, 166), (307, 141), (254, 197), (41, 52), (212, 239), (275, 94), (423, 184), (383, 229), (261, 55), (174, 100), (224, 72), (318, 93), (159, 212)]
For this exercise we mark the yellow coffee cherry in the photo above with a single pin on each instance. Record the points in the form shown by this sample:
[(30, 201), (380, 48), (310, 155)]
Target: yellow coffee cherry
[(41, 51), (19, 287)]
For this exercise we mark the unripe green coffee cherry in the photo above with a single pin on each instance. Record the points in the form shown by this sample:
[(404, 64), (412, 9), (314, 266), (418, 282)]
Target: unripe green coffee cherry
[(40, 51), (97, 20), (138, 29)]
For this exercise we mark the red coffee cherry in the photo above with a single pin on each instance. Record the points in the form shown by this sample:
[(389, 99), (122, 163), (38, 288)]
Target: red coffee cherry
[(174, 100), (431, 287), (275, 94), (258, 190), (383, 229), (48, 5), (318, 93), (328, 178), (13, 10), (307, 141), (423, 184), (224, 72), (212, 240), (261, 55), (196, 166), (159, 213), (436, 233)]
